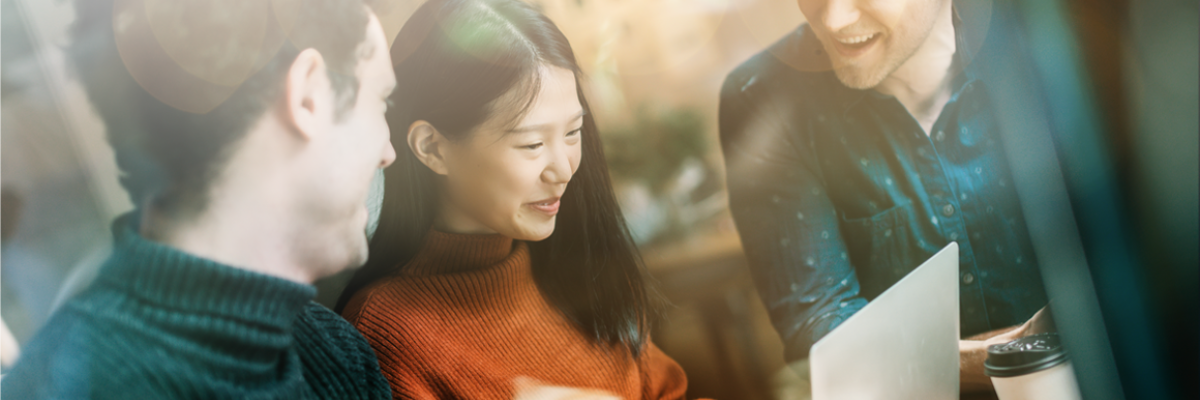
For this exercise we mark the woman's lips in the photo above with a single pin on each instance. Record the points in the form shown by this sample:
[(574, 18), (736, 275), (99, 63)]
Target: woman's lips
[(854, 46), (548, 206)]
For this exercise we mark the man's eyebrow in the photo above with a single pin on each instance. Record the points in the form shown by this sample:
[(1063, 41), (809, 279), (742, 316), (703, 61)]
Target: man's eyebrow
[(532, 128)]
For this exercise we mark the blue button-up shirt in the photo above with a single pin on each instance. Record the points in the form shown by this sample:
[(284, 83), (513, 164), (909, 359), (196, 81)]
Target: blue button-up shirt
[(838, 193)]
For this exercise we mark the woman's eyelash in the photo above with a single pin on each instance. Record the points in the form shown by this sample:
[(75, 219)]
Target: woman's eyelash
[(388, 101), (537, 145)]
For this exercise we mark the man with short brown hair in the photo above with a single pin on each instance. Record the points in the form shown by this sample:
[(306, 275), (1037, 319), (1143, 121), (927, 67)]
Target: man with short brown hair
[(857, 147), (247, 133)]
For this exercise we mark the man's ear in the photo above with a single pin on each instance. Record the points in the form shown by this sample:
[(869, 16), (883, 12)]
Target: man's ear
[(429, 146), (308, 95)]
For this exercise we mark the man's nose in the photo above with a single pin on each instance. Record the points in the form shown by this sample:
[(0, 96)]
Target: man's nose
[(389, 155), (839, 14)]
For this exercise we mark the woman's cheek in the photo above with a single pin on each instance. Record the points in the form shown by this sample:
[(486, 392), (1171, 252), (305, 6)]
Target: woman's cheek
[(504, 192), (576, 159)]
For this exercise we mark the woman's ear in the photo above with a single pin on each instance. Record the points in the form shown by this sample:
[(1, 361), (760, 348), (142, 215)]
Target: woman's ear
[(429, 146)]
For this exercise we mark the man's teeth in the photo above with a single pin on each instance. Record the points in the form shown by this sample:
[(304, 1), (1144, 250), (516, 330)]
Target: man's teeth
[(857, 39)]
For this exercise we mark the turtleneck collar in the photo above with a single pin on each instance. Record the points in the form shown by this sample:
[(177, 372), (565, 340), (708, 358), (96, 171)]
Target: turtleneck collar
[(167, 276), (446, 253)]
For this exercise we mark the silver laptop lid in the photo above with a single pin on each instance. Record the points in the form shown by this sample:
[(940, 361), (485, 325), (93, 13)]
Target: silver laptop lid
[(902, 345)]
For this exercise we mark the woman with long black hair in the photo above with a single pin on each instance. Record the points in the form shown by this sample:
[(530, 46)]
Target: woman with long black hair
[(501, 255)]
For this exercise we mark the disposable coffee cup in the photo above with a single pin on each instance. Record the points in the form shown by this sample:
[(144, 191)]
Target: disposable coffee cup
[(1034, 367)]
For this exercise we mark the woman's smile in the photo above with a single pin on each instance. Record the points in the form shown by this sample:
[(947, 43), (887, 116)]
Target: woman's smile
[(548, 206)]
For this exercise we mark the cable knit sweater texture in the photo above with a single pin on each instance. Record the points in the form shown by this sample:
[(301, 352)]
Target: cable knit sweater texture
[(162, 324)]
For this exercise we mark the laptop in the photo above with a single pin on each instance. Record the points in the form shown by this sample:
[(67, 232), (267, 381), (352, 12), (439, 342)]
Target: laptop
[(902, 345)]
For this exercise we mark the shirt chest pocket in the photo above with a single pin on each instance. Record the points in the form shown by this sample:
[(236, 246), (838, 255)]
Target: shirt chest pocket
[(883, 247)]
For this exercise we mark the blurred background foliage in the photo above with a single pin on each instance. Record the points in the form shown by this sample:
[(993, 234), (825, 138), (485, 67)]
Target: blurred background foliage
[(653, 148)]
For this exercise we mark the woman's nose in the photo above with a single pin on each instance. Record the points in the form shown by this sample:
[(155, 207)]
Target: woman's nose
[(559, 170)]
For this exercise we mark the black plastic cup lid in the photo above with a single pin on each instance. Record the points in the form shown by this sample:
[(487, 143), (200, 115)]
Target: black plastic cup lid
[(1024, 356)]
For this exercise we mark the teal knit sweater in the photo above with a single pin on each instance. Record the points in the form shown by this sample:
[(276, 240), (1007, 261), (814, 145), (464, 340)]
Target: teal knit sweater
[(162, 324)]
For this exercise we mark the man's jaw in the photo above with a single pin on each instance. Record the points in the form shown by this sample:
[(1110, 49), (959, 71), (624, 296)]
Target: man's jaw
[(854, 58)]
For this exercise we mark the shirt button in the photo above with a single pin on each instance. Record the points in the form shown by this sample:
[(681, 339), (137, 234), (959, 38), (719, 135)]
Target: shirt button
[(968, 278), (948, 210)]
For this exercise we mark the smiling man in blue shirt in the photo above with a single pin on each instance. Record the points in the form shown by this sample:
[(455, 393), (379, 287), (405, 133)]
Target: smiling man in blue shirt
[(857, 147)]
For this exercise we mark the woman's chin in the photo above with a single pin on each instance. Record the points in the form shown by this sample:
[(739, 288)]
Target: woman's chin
[(536, 233)]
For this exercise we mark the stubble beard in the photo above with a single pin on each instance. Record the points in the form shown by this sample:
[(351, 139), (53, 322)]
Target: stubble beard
[(861, 78), (854, 78), (351, 255), (905, 46), (334, 249)]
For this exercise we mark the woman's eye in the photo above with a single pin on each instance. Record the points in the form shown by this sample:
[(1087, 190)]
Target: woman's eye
[(576, 132), (534, 146), (389, 103)]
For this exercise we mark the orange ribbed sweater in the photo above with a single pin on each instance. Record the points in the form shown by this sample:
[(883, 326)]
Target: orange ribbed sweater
[(465, 318)]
